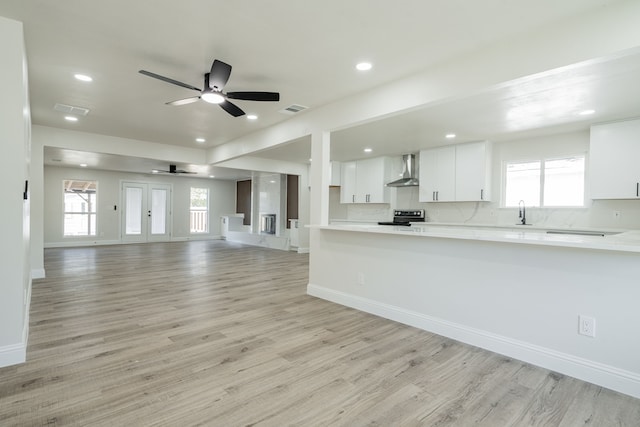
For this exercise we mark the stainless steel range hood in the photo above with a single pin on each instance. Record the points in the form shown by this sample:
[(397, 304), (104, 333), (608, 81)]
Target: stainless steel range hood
[(409, 176)]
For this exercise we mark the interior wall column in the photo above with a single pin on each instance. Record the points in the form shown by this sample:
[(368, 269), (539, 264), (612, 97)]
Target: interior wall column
[(320, 176)]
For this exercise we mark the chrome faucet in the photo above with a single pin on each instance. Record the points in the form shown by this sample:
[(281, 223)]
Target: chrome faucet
[(522, 213)]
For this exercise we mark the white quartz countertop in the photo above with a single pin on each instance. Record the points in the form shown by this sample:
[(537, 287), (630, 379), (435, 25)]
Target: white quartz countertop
[(613, 240)]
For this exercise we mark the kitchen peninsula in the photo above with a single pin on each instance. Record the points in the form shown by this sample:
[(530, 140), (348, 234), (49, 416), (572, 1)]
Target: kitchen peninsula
[(519, 293)]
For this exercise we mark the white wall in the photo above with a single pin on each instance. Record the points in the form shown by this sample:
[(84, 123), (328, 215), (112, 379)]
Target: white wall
[(518, 300), (595, 214), (15, 143), (221, 201), (36, 185)]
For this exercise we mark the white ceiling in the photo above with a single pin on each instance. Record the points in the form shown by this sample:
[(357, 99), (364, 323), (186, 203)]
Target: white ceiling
[(307, 52), (54, 156)]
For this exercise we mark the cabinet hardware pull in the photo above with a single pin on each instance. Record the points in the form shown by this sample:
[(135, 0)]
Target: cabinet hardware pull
[(437, 195), (637, 189), (353, 198), (433, 196), (481, 194)]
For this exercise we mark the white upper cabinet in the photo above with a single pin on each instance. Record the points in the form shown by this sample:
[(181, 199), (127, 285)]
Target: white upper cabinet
[(613, 160), (473, 172), (437, 175), (335, 174), (364, 181), (458, 173), (348, 182)]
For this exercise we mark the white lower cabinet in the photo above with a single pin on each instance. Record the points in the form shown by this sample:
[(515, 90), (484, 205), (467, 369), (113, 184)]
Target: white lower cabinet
[(613, 160), (457, 173)]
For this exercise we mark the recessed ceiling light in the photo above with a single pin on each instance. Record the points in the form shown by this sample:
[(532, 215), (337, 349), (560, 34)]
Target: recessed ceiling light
[(83, 165), (212, 176), (71, 118), (450, 135), (364, 66), (252, 117), (83, 77), (310, 159), (155, 171), (200, 140), (586, 112), (272, 181), (367, 150)]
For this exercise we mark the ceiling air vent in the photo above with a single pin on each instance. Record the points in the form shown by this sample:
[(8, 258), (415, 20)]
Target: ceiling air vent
[(70, 109), (293, 109)]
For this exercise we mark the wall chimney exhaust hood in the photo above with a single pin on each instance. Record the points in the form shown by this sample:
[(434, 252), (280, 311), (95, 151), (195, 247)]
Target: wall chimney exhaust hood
[(409, 177)]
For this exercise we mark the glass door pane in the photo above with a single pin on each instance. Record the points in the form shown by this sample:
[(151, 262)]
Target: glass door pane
[(158, 211), (133, 211)]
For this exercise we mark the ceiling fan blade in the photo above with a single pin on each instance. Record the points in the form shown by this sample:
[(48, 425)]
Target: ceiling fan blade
[(255, 96), (168, 80), (183, 101), (232, 109), (220, 72)]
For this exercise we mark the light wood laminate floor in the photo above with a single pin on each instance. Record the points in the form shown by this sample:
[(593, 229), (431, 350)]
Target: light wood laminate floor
[(219, 334)]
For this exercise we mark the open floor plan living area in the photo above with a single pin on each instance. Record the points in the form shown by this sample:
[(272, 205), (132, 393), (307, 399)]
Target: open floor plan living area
[(349, 213), (224, 334)]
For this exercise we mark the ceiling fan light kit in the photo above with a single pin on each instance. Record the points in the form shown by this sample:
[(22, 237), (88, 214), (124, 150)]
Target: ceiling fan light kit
[(212, 97), (214, 82)]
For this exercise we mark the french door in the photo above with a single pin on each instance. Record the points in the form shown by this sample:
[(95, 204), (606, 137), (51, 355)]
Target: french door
[(146, 212)]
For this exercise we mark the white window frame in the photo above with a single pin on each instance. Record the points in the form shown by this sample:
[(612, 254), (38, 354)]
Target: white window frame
[(196, 214), (543, 161), (90, 232)]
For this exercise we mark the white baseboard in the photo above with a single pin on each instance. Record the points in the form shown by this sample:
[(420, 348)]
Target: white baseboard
[(37, 273), (80, 243), (13, 354), (303, 250), (594, 372), (196, 237)]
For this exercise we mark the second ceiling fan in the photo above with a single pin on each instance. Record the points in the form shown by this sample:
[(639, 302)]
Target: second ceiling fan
[(214, 82)]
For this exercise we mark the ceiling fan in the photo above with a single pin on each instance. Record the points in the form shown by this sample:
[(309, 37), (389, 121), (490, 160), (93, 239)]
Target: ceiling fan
[(172, 169), (214, 82)]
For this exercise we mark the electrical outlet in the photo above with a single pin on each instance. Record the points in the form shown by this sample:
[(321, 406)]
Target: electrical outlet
[(616, 214), (360, 278), (587, 326)]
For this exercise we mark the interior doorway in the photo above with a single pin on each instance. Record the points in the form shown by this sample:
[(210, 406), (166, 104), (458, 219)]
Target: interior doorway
[(146, 212)]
